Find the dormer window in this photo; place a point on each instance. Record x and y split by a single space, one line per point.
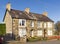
22 22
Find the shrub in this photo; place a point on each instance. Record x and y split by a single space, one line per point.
32 39
2 29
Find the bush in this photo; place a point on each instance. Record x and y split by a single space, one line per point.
2 29
45 38
32 39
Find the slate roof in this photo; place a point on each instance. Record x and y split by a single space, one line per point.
31 16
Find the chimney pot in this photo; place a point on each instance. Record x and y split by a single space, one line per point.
8 6
45 13
27 10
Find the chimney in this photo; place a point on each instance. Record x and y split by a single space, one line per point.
45 13
27 10
8 6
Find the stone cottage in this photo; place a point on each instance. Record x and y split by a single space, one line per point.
27 24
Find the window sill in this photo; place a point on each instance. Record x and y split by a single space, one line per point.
21 26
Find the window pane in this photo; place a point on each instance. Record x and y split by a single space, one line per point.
23 22
20 22
49 24
49 32
32 24
39 33
44 25
38 23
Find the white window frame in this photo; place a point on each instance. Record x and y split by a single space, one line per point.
38 24
49 32
41 24
39 33
45 25
32 23
20 21
49 24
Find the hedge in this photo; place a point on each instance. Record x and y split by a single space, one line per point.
2 29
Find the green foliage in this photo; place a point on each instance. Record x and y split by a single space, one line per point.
2 29
33 39
57 26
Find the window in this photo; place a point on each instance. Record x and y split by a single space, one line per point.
38 23
39 32
22 22
50 32
49 24
32 23
44 25
22 32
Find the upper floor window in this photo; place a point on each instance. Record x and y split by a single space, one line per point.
22 22
32 23
49 24
45 24
39 24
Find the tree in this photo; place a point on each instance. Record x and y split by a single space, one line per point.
2 29
57 26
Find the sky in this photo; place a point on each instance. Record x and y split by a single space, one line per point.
52 7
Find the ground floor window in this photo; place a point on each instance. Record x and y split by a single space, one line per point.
39 32
49 32
22 32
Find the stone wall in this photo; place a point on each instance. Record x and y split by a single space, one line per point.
8 22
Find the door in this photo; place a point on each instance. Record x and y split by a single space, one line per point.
32 33
22 32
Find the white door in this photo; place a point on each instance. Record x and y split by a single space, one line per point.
22 32
32 33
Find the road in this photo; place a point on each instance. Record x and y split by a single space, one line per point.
45 42
39 42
